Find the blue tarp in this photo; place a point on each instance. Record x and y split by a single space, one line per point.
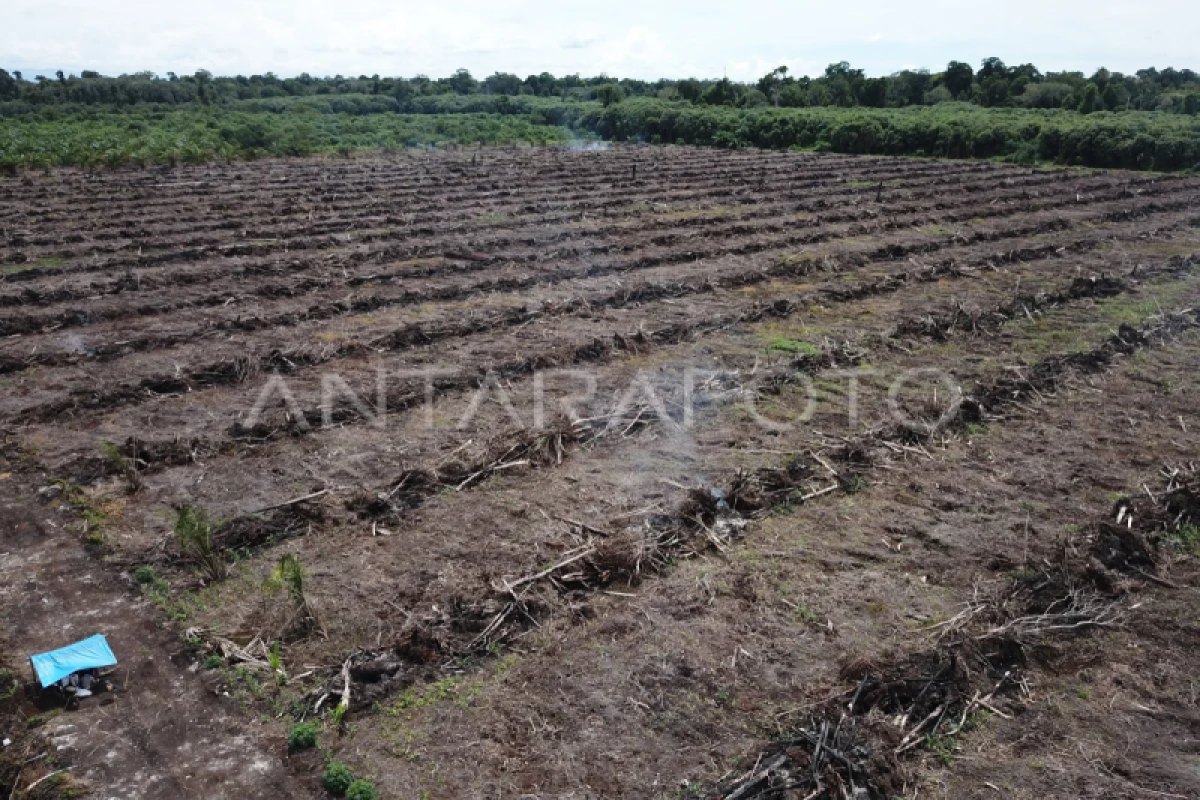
91 653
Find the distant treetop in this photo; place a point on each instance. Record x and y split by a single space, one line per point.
994 84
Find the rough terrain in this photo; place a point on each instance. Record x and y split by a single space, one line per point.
608 482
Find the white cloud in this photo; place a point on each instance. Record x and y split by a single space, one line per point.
634 39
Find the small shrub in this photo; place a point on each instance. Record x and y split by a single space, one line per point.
214 661
302 737
194 535
145 575
942 747
362 790
338 779
290 574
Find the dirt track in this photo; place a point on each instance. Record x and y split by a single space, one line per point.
558 611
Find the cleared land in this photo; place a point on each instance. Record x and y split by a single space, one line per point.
703 575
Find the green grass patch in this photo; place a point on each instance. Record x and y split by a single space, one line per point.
452 689
154 586
1049 335
1121 310
785 345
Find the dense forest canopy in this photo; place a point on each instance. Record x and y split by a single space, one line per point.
993 84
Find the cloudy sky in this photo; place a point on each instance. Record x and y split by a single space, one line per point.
623 38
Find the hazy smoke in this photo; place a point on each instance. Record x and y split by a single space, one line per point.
579 146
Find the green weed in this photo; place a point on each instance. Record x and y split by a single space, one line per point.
94 517
145 575
942 747
289 574
303 736
1185 538
337 778
194 535
415 697
159 591
361 789
805 613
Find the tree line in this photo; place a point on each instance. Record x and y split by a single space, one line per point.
993 85
346 123
1133 140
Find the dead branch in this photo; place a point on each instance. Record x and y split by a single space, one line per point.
1077 611
287 503
549 570
29 788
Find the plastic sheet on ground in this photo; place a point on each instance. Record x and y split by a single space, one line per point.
91 653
